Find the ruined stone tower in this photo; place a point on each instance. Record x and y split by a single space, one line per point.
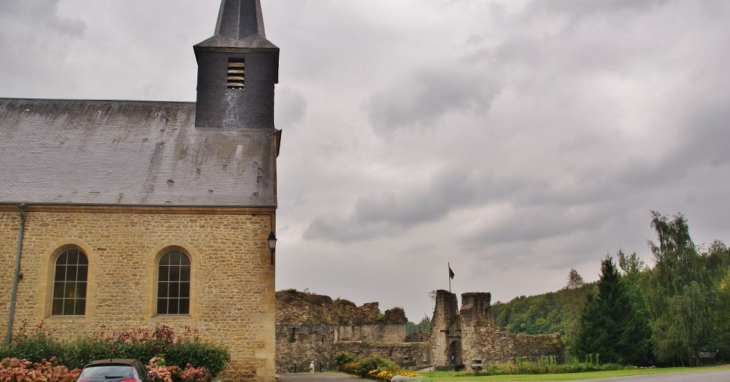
468 338
445 331
475 318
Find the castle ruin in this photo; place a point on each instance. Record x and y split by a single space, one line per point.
314 328
469 338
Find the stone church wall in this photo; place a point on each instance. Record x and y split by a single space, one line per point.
232 279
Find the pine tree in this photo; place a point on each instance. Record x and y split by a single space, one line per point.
609 326
639 329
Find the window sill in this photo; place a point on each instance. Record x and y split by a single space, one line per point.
67 318
171 317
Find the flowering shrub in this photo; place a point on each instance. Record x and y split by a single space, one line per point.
188 357
163 373
195 374
387 375
20 370
371 367
173 373
384 375
33 343
349 367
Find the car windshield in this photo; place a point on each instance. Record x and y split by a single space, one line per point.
106 371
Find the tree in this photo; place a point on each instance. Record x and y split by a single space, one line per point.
575 280
682 292
423 326
609 325
574 297
633 269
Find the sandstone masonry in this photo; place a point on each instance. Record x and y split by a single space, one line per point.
232 279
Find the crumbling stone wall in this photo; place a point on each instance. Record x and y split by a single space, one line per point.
372 333
405 354
308 326
478 341
298 345
418 337
487 345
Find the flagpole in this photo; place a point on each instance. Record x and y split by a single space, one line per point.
449 277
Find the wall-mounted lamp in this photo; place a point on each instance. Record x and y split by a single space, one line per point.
272 245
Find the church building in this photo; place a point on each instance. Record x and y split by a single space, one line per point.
134 214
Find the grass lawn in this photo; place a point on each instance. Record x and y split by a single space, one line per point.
451 376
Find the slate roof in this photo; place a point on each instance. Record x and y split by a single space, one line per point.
130 153
240 25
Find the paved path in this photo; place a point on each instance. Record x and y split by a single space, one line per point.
696 376
703 376
330 377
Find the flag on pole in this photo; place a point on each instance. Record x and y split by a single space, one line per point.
451 273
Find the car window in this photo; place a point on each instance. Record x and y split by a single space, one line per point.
107 371
141 370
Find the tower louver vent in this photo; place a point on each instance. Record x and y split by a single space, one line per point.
236 69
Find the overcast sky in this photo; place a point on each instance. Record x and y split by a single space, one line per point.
513 139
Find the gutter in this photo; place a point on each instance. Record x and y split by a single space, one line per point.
17 278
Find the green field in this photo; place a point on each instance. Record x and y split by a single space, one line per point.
451 376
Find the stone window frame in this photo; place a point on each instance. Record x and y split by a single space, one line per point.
151 273
173 283
70 299
47 275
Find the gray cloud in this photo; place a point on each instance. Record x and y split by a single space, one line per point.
291 107
392 211
426 96
585 9
36 20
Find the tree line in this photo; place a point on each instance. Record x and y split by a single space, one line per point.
674 313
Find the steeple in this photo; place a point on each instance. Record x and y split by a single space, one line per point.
239 19
237 70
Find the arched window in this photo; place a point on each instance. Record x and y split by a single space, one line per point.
69 283
173 283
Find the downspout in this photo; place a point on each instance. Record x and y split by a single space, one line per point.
16 279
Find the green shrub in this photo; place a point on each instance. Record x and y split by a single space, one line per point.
545 365
373 363
80 352
343 358
34 344
214 358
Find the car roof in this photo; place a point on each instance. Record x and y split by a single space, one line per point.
114 361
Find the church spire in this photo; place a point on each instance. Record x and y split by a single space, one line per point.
238 19
237 70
